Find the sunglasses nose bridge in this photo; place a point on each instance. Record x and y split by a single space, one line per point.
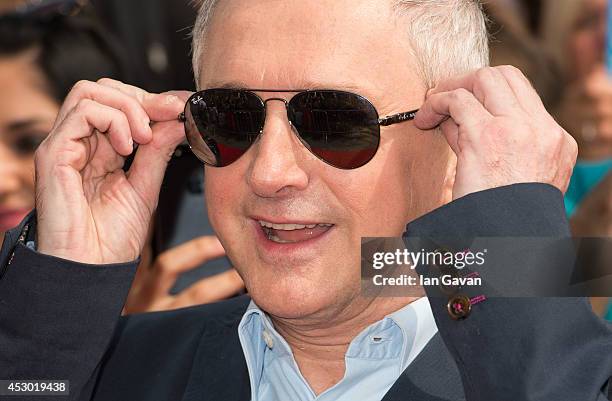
278 99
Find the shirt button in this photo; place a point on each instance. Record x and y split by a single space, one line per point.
268 339
459 307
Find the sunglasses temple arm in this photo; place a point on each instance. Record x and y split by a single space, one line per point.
397 118
181 117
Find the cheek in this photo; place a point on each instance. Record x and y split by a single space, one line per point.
379 195
219 190
422 172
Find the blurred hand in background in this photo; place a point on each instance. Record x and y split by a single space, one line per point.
154 279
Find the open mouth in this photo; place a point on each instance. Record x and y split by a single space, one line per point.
292 233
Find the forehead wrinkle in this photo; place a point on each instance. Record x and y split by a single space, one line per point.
301 85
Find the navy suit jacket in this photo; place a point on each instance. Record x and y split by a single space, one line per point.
61 320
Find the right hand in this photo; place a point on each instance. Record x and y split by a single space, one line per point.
585 111
88 209
151 288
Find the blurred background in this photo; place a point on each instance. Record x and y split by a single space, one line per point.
48 45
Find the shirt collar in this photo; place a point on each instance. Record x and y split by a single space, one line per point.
412 326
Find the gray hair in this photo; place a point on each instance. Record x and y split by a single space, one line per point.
448 37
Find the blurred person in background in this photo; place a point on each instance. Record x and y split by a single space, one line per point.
575 33
513 30
38 49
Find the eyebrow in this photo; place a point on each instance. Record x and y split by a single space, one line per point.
24 124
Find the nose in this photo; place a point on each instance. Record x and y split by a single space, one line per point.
277 166
9 172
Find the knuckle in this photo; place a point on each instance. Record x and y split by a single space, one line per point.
81 85
484 74
202 293
556 138
511 70
105 81
572 145
515 70
460 94
84 106
162 263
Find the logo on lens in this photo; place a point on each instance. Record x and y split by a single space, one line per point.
198 100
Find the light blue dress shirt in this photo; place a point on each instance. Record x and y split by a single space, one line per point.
374 361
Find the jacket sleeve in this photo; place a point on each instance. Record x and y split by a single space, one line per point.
57 317
536 349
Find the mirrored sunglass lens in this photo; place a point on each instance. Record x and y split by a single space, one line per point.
226 123
338 127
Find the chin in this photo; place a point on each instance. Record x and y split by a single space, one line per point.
296 297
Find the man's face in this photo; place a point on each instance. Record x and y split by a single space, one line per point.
353 45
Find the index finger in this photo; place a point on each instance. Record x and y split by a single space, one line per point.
489 87
189 255
159 106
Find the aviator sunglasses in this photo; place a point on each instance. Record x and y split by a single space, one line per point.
340 128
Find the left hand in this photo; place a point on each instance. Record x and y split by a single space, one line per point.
500 131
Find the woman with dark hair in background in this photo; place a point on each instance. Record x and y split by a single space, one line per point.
40 61
42 55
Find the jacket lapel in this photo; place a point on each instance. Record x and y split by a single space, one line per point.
219 369
432 376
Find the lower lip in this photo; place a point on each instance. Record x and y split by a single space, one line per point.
11 219
280 249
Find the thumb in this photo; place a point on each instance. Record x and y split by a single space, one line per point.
149 167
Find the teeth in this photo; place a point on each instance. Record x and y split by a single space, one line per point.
290 227
276 239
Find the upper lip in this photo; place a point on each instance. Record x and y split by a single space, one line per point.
277 220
